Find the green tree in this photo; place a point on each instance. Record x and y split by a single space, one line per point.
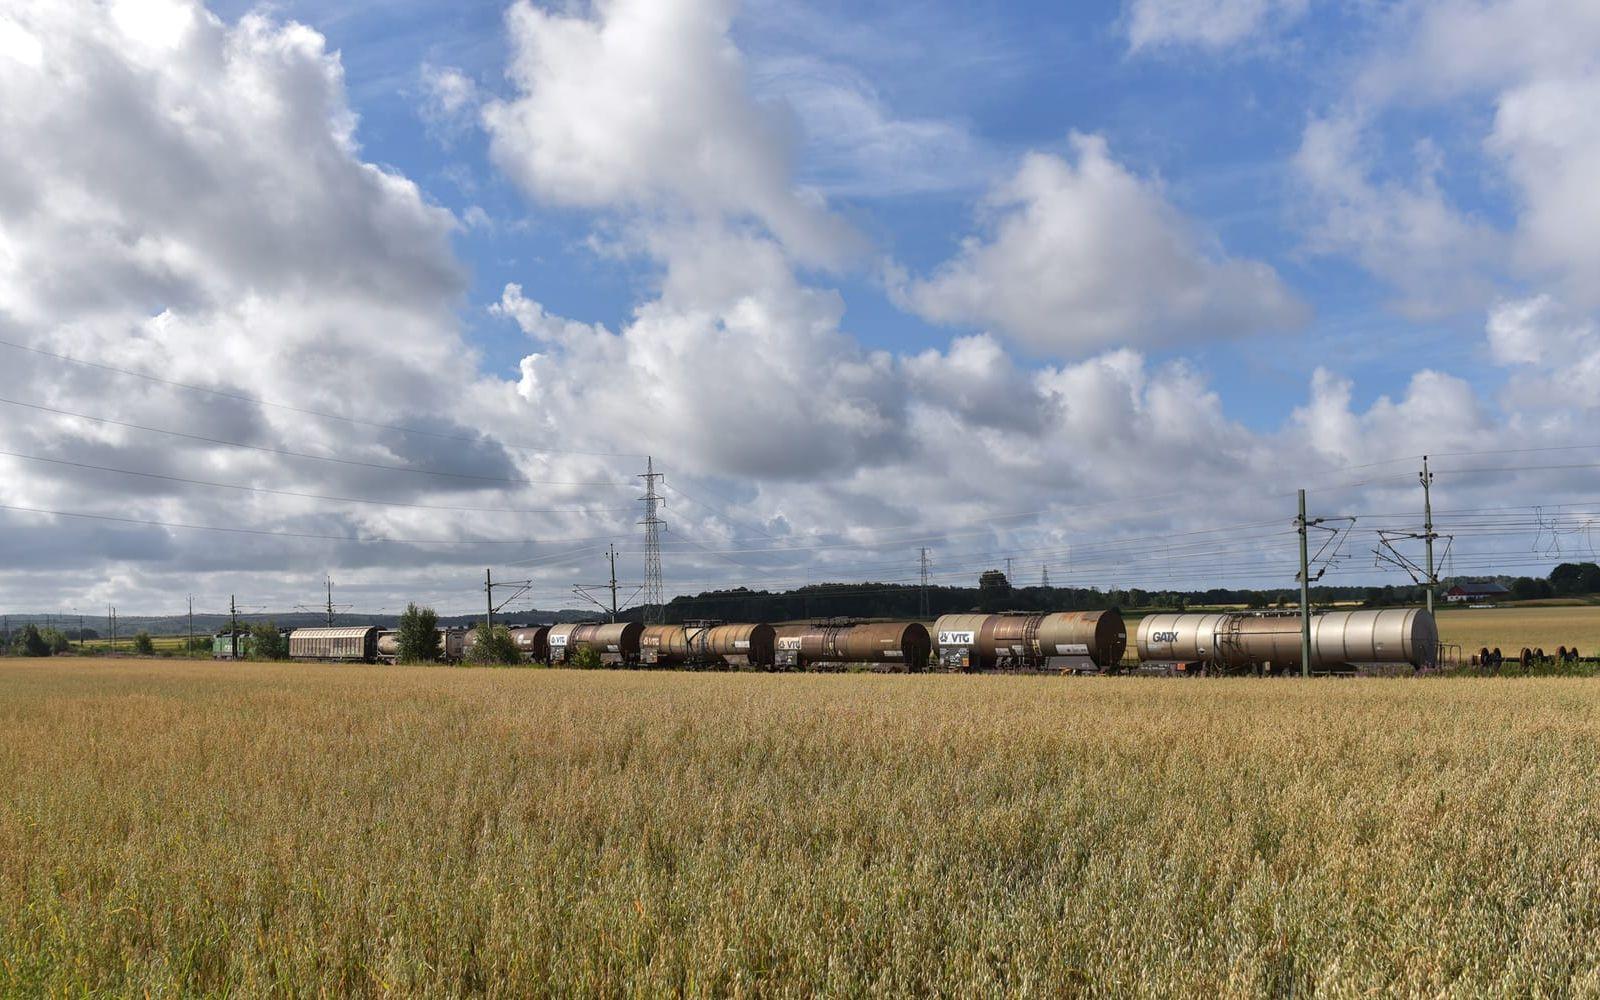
1575 578
1525 588
584 658
494 646
32 643
57 641
143 644
419 635
267 643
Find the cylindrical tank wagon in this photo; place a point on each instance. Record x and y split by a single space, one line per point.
1340 640
712 645
902 645
616 643
533 641
742 646
1076 641
453 645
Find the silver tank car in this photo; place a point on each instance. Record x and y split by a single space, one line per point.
1239 641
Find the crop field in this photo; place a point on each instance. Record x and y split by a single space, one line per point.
1512 628
188 828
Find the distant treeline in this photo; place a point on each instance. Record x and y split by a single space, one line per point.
995 593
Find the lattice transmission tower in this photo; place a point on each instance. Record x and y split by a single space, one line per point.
654 602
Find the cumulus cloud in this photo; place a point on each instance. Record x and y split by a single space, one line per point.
1553 353
1084 253
736 356
1547 134
186 197
645 105
1530 66
854 144
1405 230
1211 24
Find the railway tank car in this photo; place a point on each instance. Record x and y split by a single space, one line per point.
616 643
901 645
453 645
1340 640
670 645
708 645
1074 641
742 646
533 641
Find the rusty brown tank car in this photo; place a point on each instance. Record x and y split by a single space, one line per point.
533 642
904 644
714 645
742 646
1061 640
665 646
786 645
616 643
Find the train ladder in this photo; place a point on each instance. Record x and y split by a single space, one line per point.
1229 644
1031 654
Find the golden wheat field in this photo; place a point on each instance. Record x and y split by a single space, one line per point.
1512 628
177 829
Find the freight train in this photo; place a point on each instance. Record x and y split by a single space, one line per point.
1063 642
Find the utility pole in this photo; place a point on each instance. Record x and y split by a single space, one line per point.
654 597
191 626
111 614
613 557
330 602
1008 569
924 562
1305 593
488 604
233 628
1427 529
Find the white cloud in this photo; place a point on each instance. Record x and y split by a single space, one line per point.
736 357
854 145
1536 65
1212 24
1405 231
1548 135
646 106
450 98
185 197
1084 254
193 202
1438 412
1553 354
